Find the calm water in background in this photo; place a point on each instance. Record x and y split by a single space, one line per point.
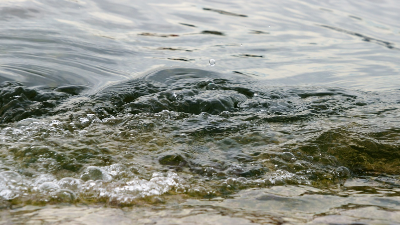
333 43
334 62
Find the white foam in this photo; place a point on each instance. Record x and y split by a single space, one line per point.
157 185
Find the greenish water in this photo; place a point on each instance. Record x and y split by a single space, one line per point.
199 112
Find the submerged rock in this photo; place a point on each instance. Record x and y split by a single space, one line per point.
172 159
359 152
206 126
95 173
18 102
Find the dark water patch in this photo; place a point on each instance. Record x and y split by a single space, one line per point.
355 17
19 102
186 24
365 38
245 74
322 93
181 59
249 56
259 32
213 32
175 49
224 12
158 35
72 90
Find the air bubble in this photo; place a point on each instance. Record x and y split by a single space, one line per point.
10 177
8 194
49 187
95 173
70 183
212 62
211 86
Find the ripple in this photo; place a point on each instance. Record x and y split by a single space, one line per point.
365 38
213 32
224 12
116 104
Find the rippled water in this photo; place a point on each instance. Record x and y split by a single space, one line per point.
207 112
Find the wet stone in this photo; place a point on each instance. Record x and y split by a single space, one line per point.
253 171
288 156
95 173
228 144
126 92
342 172
172 159
213 102
241 157
250 171
18 102
64 195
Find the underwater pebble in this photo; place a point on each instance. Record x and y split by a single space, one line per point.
65 195
172 159
288 156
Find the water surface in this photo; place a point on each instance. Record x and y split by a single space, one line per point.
111 109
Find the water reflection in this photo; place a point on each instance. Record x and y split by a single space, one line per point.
121 34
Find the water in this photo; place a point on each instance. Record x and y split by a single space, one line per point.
114 111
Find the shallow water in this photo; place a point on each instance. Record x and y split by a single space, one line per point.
200 112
